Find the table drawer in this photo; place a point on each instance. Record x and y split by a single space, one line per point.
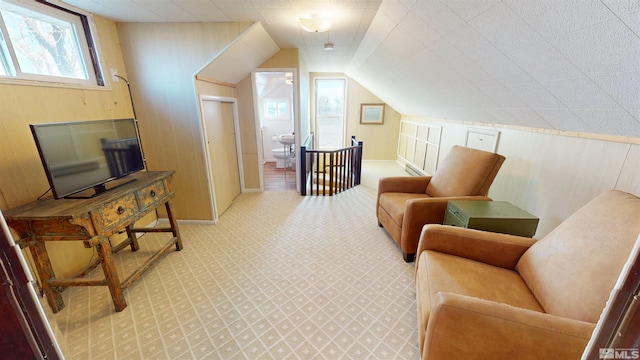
151 195
115 214
520 227
454 217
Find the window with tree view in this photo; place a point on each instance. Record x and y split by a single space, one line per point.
44 42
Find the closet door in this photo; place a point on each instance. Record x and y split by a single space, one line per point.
221 141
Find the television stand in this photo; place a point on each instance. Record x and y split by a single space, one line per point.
92 221
99 189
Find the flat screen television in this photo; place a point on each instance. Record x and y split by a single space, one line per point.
78 156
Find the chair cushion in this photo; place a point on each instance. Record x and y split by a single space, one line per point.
439 272
465 171
449 273
572 270
393 203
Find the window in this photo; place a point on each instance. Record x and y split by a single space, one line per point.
330 112
276 109
44 42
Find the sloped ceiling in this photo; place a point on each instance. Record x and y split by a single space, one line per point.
569 65
563 65
252 48
350 20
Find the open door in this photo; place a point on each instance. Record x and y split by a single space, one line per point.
276 113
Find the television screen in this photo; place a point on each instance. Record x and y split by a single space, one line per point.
87 154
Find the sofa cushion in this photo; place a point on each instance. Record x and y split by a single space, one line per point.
393 203
572 270
480 169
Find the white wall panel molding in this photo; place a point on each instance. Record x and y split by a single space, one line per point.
419 145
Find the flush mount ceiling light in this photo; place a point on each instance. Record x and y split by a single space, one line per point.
315 23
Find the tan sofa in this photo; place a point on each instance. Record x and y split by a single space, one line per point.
483 295
405 204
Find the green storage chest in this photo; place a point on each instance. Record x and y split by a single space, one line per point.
495 216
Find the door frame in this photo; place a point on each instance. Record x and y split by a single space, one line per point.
32 328
296 120
205 147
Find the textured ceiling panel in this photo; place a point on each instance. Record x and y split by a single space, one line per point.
564 65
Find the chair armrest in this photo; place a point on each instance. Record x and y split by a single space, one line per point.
421 211
496 249
463 327
431 210
404 184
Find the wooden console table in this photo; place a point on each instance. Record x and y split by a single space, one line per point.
92 221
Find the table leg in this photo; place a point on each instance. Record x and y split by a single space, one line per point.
46 274
135 246
111 273
174 225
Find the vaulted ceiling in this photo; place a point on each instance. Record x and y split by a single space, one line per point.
563 65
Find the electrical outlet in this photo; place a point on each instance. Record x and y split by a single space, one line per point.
114 75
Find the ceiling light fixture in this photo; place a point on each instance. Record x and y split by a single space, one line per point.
328 46
315 23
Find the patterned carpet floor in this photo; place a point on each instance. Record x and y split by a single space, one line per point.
280 276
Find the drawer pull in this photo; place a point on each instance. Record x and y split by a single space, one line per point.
152 193
120 210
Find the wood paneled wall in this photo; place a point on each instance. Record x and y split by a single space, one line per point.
552 175
163 59
246 117
304 101
22 178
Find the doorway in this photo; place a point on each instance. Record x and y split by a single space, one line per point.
223 155
275 114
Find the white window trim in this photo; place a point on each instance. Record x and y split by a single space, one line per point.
277 101
54 81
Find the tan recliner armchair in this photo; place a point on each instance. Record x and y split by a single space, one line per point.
483 295
405 204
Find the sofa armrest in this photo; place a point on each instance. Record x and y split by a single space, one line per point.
404 184
496 249
463 327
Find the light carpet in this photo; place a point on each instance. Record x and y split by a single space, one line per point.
280 276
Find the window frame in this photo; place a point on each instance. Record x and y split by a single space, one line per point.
84 31
277 102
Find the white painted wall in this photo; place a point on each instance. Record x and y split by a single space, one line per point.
551 175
